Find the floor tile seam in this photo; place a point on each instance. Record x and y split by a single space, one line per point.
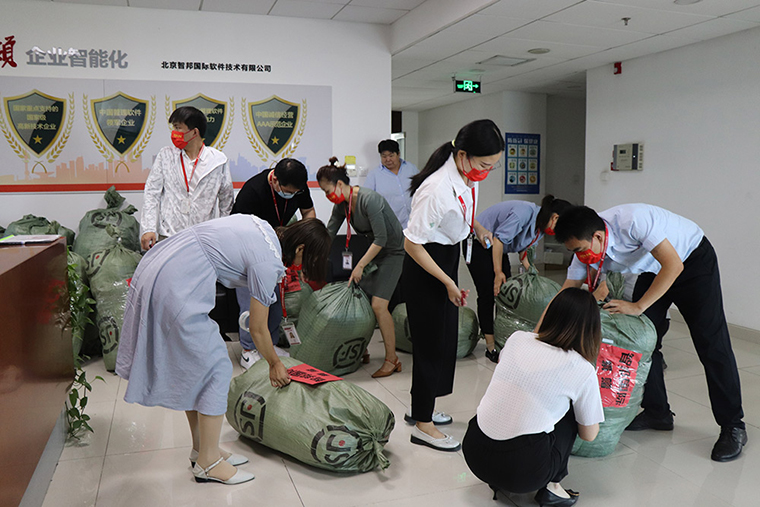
293 482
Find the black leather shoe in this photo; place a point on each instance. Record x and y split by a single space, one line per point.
544 497
492 355
729 444
644 421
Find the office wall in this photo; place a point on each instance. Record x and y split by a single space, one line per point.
301 51
697 109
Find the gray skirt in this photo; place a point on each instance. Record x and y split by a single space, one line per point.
382 282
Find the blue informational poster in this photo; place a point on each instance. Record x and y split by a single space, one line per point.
523 155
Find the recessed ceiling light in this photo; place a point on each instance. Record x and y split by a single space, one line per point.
686 2
539 51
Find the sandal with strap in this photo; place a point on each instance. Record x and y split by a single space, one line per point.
381 373
202 474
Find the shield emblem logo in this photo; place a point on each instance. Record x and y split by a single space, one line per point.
274 120
214 110
36 118
120 119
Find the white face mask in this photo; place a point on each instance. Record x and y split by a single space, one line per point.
286 195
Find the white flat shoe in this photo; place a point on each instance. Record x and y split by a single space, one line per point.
201 475
447 444
234 459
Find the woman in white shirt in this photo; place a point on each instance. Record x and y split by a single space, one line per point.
543 393
443 214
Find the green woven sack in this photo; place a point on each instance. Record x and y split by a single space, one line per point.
634 339
521 301
467 338
335 326
109 271
92 228
335 426
31 224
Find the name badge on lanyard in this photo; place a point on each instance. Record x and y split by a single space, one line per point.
471 236
287 326
348 256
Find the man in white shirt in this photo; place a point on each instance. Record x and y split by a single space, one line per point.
676 264
189 182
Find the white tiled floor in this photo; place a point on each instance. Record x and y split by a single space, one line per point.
138 456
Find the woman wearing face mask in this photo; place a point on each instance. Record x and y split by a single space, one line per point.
170 349
516 226
543 393
444 197
369 214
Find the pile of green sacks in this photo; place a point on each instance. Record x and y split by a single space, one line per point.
521 302
92 235
632 336
31 224
468 330
335 326
335 426
109 272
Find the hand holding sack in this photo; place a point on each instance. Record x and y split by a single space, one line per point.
622 368
521 301
335 426
335 326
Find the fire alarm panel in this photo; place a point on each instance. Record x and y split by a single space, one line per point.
628 157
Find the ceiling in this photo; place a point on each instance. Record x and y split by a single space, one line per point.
434 40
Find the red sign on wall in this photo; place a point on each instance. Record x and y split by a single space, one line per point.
616 369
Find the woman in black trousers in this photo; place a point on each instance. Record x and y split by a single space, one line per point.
443 214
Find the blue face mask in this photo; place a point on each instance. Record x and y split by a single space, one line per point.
286 195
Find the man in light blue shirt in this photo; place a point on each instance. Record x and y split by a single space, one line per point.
392 178
676 264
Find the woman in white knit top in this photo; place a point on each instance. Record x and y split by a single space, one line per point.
543 393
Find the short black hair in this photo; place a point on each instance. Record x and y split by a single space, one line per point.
291 173
388 145
579 222
190 116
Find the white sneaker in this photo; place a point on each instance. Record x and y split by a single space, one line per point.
447 443
248 357
281 352
439 418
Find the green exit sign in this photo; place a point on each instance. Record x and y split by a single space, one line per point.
466 86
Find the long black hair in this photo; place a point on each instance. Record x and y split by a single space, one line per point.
572 321
549 206
480 138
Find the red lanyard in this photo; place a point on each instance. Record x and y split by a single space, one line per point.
282 296
464 210
525 252
274 199
601 263
348 216
182 161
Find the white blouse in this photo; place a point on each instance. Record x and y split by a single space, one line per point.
533 386
438 214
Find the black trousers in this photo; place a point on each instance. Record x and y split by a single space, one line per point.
481 270
433 323
521 464
697 294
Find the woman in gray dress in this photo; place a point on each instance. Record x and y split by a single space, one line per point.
369 214
170 349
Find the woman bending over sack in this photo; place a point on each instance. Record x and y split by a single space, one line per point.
170 349
543 393
444 197
369 214
517 225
